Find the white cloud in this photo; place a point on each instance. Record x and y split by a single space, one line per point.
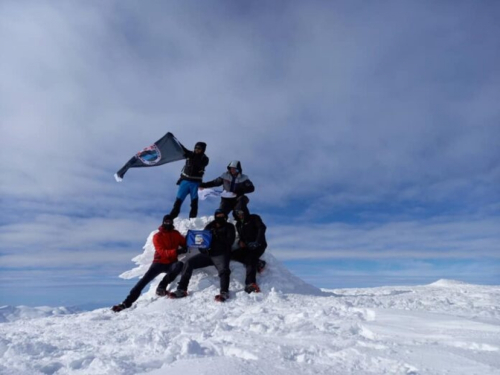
334 106
440 238
322 108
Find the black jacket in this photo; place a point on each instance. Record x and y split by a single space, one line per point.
195 166
222 238
252 229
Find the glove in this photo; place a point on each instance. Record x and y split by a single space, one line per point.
253 245
182 250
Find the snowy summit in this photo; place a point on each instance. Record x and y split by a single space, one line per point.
291 327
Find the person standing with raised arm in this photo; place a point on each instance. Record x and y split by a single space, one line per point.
235 185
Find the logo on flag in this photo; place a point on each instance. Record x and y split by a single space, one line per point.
150 155
198 239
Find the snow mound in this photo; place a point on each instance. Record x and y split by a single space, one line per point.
11 313
446 283
275 277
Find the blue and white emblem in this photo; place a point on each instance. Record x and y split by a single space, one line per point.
150 155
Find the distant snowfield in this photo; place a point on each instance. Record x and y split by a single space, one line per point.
447 327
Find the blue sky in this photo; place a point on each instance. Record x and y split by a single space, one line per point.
371 131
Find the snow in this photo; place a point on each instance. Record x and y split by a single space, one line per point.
447 283
447 327
11 313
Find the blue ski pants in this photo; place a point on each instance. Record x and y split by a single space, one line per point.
187 187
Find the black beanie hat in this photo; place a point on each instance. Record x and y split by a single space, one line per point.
167 218
219 211
201 145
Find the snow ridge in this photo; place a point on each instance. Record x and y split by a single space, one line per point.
446 283
11 313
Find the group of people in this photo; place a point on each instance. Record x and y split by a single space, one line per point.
169 243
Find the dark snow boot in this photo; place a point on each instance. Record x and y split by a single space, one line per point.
223 296
119 307
178 294
161 292
194 209
176 209
252 288
261 265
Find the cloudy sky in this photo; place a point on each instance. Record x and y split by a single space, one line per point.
371 131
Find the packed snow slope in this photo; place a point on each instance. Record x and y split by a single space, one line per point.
291 327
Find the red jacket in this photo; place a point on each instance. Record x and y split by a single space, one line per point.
166 243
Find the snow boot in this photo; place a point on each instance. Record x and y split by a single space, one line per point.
176 209
223 296
178 294
252 288
261 265
119 307
194 209
161 292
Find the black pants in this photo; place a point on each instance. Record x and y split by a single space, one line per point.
221 262
229 204
171 270
250 259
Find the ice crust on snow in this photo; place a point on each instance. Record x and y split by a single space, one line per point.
291 327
